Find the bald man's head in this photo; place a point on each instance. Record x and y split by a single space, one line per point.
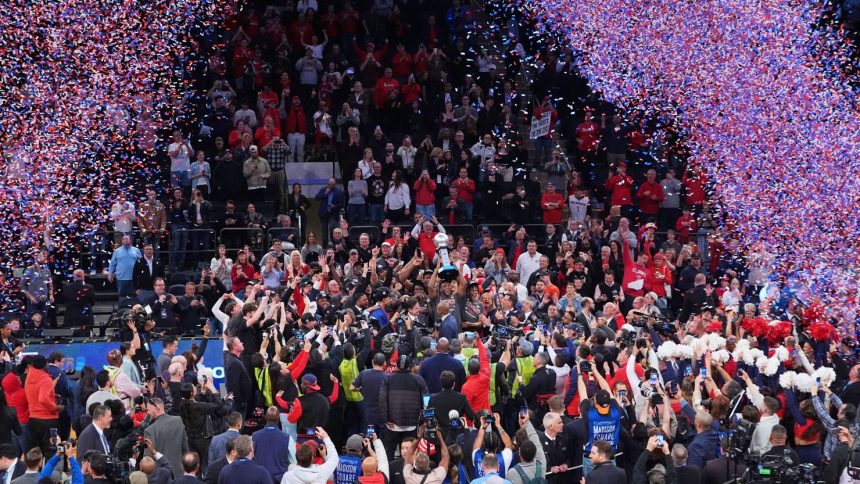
272 415
147 465
442 345
369 466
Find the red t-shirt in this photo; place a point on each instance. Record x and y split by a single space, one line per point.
620 186
587 136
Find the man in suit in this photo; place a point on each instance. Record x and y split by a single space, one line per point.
157 468
448 399
331 202
214 469
167 433
236 375
93 436
33 460
244 469
272 446
191 466
11 467
683 472
146 270
79 298
433 367
218 446
697 299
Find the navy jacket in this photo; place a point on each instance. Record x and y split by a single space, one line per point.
245 471
272 450
432 367
330 209
703 448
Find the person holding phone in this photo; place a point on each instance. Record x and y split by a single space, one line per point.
657 450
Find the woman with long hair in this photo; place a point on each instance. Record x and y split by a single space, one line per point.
807 429
356 206
312 244
81 392
398 199
497 266
297 206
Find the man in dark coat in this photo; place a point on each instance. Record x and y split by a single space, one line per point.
79 298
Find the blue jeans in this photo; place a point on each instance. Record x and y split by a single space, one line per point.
428 211
543 148
125 288
466 210
355 213
377 213
199 244
180 243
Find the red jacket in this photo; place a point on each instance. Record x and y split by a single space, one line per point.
39 389
16 397
685 226
620 186
425 242
465 189
655 283
296 121
411 93
239 283
477 387
424 192
632 272
552 215
650 204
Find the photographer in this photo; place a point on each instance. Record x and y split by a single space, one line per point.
199 410
135 327
305 471
662 468
487 442
51 468
416 469
602 418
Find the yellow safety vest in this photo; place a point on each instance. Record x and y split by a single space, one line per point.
525 369
348 374
493 385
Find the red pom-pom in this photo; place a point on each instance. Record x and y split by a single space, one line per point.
715 327
822 331
813 314
777 332
755 326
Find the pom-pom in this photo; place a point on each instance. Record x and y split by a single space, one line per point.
786 380
827 375
666 350
761 362
720 356
714 341
684 352
755 326
822 331
804 382
771 367
777 331
781 354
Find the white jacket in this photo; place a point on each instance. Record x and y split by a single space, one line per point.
315 474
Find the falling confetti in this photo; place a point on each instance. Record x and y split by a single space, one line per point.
87 86
762 95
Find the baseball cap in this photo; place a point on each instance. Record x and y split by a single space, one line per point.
650 225
322 295
353 251
354 443
311 382
602 400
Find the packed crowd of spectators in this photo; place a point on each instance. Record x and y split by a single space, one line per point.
585 338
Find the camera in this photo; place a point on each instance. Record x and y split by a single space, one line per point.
117 469
655 399
431 426
501 334
585 367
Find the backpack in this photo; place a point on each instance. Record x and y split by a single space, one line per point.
537 479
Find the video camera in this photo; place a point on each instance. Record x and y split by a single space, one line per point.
662 325
501 334
776 468
121 317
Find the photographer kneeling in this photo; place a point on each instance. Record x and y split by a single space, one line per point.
662 468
